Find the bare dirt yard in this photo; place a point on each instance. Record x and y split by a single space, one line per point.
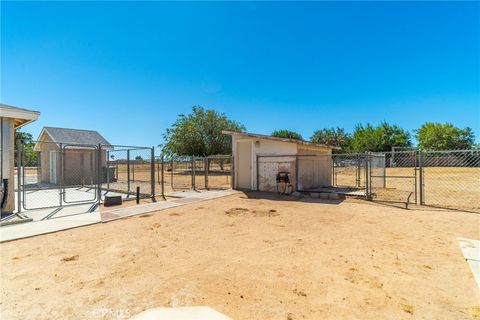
250 256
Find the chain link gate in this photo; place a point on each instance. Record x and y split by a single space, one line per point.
79 166
64 174
393 177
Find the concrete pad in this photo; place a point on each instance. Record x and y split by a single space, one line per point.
183 194
471 252
162 205
63 218
30 229
181 313
323 196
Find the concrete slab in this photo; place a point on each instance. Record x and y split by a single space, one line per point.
183 193
63 218
162 205
34 228
471 252
181 313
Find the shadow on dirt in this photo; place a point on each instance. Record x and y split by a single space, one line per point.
280 197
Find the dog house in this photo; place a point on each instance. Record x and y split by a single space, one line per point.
70 156
11 118
259 161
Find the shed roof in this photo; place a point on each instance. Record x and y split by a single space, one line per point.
263 136
74 136
20 116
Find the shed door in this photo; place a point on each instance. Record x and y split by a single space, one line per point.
244 165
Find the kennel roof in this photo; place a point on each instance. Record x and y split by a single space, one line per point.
73 136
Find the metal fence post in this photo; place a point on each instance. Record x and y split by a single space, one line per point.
367 176
333 169
206 171
108 169
128 171
19 174
232 171
133 170
99 175
297 164
257 174
420 175
158 170
163 178
193 172
62 169
415 163
357 173
171 173
152 173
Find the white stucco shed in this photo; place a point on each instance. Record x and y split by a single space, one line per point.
258 158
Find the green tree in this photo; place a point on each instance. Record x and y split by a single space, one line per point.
438 136
287 134
379 139
26 140
336 137
200 134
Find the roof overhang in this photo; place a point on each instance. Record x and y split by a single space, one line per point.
20 116
262 136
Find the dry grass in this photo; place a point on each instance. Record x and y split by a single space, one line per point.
449 187
254 256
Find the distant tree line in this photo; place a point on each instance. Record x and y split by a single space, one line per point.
199 133
384 137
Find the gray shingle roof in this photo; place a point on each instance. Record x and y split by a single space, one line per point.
75 136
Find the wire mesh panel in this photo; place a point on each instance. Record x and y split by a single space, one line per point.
199 173
451 179
40 173
218 172
348 171
126 169
269 166
78 179
393 176
181 173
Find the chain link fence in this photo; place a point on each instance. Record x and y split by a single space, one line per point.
128 170
393 176
446 179
451 179
348 172
193 173
57 174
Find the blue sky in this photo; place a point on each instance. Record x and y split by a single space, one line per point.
127 69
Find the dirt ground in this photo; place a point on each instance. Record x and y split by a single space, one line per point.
253 256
